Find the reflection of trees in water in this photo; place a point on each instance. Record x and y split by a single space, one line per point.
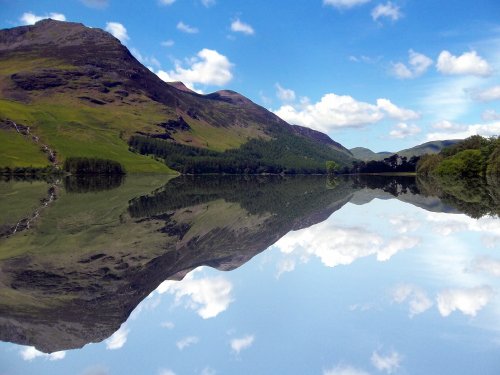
257 194
475 197
394 185
92 184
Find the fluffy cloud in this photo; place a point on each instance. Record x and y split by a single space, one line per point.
388 10
340 111
187 342
335 245
488 95
118 339
209 296
29 18
417 65
344 370
239 344
468 301
345 4
418 301
208 68
464 131
95 3
29 353
403 130
181 26
285 95
117 30
388 363
469 63
238 26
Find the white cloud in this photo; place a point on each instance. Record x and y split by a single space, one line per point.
285 265
403 130
117 30
448 126
285 95
118 339
339 111
403 224
208 296
187 342
486 130
239 344
167 2
388 363
468 301
100 4
344 370
335 245
208 68
490 115
208 3
487 265
488 95
238 26
469 63
186 28
166 371
418 65
345 4
388 10
418 301
29 353
167 43
29 18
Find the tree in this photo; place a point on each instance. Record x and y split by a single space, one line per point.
332 167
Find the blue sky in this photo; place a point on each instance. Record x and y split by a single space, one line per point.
381 74
421 298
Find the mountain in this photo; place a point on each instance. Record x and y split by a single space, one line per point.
67 90
432 147
91 255
366 154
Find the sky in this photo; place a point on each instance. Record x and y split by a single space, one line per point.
386 75
422 298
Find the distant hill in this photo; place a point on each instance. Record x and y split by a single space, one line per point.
366 154
67 90
432 147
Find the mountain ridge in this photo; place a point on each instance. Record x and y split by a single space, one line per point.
83 93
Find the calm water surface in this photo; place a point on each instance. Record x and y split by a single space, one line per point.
266 275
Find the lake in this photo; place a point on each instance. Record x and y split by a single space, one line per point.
249 275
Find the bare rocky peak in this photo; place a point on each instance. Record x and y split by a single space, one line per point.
60 33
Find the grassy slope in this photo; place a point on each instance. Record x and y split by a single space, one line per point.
18 151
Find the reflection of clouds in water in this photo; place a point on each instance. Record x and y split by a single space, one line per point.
447 224
402 224
418 301
468 301
487 265
118 339
29 353
336 245
186 342
345 370
388 363
209 296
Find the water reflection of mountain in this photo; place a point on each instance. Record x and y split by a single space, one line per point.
92 257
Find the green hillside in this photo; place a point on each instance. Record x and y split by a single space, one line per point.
78 92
